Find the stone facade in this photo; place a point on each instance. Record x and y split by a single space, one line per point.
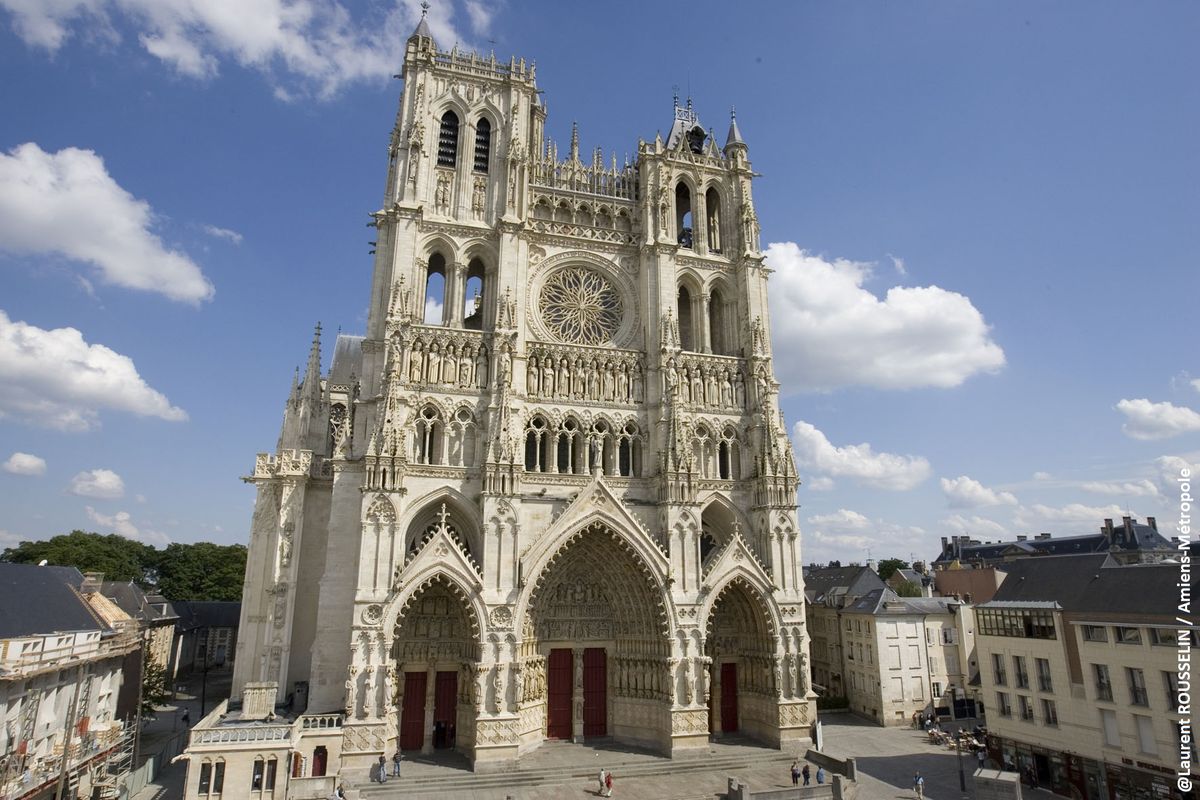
549 494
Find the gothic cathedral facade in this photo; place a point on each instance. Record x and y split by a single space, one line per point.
549 494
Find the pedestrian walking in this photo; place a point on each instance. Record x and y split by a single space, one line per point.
600 783
608 782
381 770
187 717
396 764
919 785
981 754
806 774
820 775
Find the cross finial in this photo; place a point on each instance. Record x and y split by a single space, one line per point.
424 7
675 95
442 515
732 113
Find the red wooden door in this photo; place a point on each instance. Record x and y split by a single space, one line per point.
445 702
595 692
729 698
560 685
412 712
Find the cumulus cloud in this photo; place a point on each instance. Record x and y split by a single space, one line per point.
1169 469
100 483
849 536
829 331
820 484
1042 476
433 311
310 46
106 227
975 526
964 492
1137 488
841 520
55 379
858 461
1069 520
1146 420
25 464
121 523
223 233
1196 384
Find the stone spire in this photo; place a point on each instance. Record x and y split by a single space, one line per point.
735 135
422 30
312 375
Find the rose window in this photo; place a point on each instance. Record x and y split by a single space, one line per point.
581 306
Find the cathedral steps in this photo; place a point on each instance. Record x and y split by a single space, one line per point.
450 782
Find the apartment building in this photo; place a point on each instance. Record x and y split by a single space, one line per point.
1078 659
828 590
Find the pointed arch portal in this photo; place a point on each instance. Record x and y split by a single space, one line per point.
741 646
435 654
595 646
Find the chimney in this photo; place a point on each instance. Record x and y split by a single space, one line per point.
967 598
1041 537
258 700
1128 525
1107 531
919 566
945 546
1022 537
1150 521
92 581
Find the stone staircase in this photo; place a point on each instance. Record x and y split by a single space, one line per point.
451 782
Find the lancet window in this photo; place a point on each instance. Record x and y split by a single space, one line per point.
718 324
483 144
729 461
687 333
435 290
448 140
570 449
683 214
712 227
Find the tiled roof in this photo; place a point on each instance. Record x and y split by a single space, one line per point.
37 600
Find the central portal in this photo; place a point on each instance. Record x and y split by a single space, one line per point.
595 647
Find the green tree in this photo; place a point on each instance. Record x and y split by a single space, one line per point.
909 589
202 571
154 685
888 567
120 559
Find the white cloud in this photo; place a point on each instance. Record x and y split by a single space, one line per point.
140 498
1146 420
841 520
830 332
433 311
8 539
1196 384
974 526
964 492
1169 469
820 484
25 464
101 483
1137 488
1070 520
121 523
314 46
223 233
55 379
1042 476
898 264
857 461
105 226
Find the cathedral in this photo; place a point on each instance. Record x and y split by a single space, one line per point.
549 493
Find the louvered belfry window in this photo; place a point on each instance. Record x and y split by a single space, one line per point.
448 140
483 144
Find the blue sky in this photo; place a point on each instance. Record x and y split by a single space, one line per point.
983 219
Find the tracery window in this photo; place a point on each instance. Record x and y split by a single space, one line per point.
712 205
704 448
448 140
462 439
429 432
579 305
728 455
537 445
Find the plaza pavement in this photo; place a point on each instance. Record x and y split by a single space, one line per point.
886 757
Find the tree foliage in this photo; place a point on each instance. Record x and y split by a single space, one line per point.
201 571
888 567
154 685
909 589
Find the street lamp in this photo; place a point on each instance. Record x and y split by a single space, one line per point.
962 777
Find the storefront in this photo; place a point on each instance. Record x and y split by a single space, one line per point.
1080 778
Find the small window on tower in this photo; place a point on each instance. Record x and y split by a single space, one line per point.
448 140
483 144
